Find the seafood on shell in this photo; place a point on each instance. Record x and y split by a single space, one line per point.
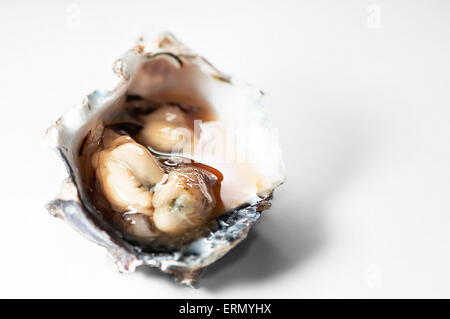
153 176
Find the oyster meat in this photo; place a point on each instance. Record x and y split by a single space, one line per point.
170 168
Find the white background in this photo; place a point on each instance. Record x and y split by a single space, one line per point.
359 89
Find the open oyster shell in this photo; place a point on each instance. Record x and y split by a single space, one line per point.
233 102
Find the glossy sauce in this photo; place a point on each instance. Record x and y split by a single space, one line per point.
127 122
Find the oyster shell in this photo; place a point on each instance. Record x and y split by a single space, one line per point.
178 70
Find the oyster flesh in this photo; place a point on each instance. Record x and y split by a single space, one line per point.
171 168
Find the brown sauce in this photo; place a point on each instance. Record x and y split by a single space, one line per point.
127 122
